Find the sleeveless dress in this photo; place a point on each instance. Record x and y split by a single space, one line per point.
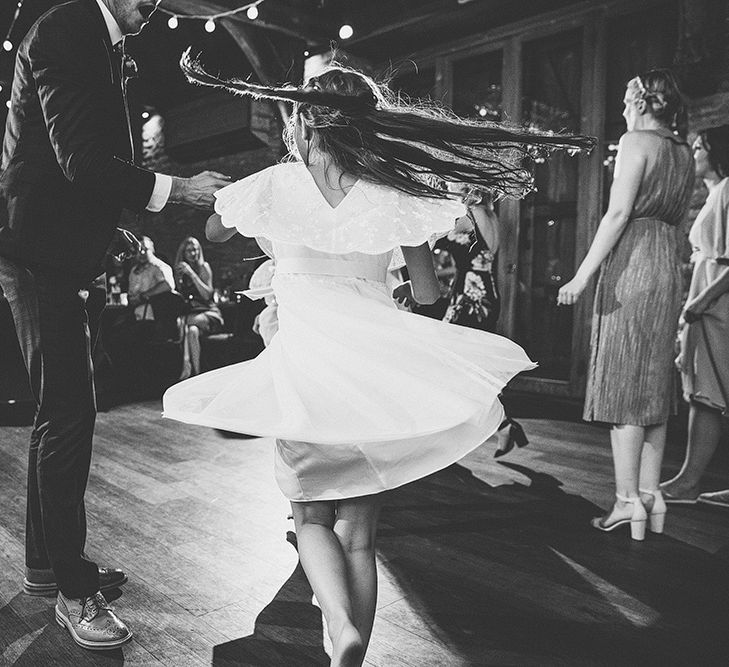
361 396
705 343
631 379
200 306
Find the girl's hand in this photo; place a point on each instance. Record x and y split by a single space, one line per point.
569 293
403 293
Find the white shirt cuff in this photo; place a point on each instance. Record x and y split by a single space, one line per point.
161 192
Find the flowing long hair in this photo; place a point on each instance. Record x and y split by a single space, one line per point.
369 133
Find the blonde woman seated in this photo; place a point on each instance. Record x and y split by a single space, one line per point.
194 280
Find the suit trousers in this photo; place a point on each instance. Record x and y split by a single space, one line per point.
54 332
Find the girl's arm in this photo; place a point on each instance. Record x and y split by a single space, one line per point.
629 169
484 217
216 231
424 285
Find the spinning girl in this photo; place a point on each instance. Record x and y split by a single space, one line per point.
360 396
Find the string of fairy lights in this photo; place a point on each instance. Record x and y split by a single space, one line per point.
250 9
174 20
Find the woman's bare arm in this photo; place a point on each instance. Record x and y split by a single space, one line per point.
629 170
215 230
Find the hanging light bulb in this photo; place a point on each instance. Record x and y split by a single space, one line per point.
306 54
7 104
8 45
145 115
172 23
252 13
210 25
346 31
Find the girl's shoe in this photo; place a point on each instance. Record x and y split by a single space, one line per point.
515 436
656 508
633 513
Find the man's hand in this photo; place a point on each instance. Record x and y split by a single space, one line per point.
197 191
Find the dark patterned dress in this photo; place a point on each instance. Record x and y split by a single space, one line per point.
474 300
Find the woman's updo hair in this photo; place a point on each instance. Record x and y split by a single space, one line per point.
716 143
659 89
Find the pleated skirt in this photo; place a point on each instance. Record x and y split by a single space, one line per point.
632 379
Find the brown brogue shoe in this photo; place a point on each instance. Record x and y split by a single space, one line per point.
91 622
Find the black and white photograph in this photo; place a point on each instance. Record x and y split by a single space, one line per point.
364 333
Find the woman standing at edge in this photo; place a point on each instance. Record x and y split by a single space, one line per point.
638 298
704 358
360 396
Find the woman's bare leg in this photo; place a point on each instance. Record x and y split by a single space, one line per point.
356 528
654 444
186 366
626 441
323 561
193 346
704 432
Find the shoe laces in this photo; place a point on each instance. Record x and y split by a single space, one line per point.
93 605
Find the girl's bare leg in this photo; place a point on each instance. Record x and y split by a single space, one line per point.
356 527
323 561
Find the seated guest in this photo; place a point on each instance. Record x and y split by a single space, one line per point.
704 358
194 280
149 276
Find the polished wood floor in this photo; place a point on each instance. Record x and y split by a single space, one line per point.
485 563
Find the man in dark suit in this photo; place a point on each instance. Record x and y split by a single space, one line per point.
67 172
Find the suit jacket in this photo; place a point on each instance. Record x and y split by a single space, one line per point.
66 169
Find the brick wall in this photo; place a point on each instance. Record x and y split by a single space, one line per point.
168 227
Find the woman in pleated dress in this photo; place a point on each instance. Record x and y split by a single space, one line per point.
638 299
361 396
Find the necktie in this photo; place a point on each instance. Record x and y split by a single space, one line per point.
124 69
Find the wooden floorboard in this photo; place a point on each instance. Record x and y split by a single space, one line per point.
484 563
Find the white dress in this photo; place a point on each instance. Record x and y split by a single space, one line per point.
705 343
360 396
